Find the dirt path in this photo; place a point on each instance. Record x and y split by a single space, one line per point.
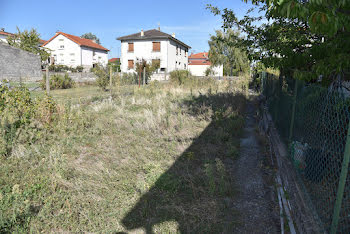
256 202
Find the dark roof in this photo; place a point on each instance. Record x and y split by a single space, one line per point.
151 34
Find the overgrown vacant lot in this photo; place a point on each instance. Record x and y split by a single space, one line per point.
158 158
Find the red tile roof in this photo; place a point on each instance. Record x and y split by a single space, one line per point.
80 41
199 62
6 33
112 60
199 55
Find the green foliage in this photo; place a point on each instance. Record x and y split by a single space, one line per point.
149 68
58 82
209 71
91 36
64 68
180 77
102 74
80 68
303 39
225 50
115 65
19 112
129 79
28 41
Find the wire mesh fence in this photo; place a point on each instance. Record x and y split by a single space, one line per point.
314 122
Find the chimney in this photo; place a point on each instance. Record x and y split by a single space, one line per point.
158 28
173 35
142 33
94 41
3 29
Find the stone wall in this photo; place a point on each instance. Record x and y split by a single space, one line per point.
17 64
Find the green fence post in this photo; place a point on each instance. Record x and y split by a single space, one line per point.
341 186
293 111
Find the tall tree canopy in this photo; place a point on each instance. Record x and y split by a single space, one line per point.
91 36
304 38
28 41
224 50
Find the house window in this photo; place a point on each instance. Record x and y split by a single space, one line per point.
130 47
185 66
186 52
156 61
72 54
60 39
156 46
72 60
61 47
177 50
130 64
93 53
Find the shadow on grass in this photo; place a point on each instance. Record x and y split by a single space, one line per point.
197 192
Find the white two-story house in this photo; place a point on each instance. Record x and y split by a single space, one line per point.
75 51
153 45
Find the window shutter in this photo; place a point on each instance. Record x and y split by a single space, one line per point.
131 47
130 64
156 46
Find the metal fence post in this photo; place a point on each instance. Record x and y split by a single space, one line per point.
341 186
47 81
293 111
110 79
144 76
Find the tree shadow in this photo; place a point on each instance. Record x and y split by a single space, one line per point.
197 191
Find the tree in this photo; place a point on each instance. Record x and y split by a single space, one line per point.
225 50
91 36
308 38
142 65
115 65
28 41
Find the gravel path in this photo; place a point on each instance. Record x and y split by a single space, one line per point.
256 203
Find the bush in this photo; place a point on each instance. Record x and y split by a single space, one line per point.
21 116
58 82
129 79
58 68
180 77
80 68
64 68
102 77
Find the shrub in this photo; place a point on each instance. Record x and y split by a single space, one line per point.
18 112
80 68
58 68
58 82
180 77
209 71
129 79
102 76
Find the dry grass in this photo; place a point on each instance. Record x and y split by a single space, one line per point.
138 161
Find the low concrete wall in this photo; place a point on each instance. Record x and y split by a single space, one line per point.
79 76
17 64
160 76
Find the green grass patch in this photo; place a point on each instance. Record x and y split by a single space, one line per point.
156 159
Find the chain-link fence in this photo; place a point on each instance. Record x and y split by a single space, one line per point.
314 122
